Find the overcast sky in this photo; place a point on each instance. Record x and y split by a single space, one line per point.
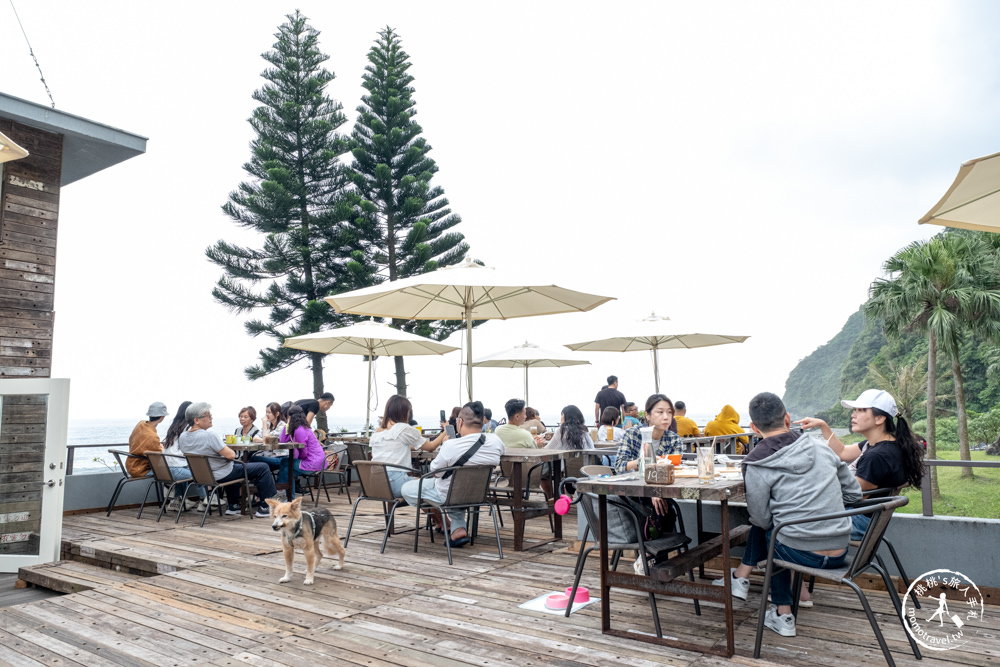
741 165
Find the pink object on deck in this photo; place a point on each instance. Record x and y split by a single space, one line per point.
582 594
557 601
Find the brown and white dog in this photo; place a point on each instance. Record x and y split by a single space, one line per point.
310 529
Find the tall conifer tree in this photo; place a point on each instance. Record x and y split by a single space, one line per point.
299 196
406 220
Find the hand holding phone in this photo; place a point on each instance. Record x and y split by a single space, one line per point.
450 430
442 416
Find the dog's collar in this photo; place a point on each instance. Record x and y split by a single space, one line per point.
298 526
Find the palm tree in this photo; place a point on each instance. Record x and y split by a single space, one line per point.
907 384
944 287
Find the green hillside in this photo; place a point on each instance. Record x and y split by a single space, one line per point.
815 383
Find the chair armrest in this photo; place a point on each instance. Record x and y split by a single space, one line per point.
122 452
861 507
399 467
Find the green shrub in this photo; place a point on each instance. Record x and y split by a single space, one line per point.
985 427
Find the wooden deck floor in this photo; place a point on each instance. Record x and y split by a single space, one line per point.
216 601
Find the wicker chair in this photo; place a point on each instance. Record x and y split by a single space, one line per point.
203 475
162 474
470 488
862 561
375 487
120 457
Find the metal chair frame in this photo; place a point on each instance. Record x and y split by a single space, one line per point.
463 493
646 549
375 487
126 478
163 475
862 561
204 476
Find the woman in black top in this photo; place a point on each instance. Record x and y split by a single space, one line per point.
890 455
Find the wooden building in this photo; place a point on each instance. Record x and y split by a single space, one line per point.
62 149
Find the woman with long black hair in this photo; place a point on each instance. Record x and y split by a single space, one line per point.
890 456
572 432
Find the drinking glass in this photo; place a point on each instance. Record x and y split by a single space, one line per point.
706 464
534 431
611 434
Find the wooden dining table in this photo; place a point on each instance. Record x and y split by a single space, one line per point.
248 449
666 578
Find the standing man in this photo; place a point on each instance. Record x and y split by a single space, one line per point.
609 397
686 428
314 406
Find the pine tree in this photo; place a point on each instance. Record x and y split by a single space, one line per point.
299 196
405 220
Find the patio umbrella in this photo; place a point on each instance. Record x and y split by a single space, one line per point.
655 333
529 356
9 150
371 339
465 291
973 200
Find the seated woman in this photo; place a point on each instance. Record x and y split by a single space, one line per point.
609 419
274 458
660 415
890 455
727 422
247 428
531 418
310 458
572 432
395 440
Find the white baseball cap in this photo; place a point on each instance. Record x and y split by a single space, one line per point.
874 398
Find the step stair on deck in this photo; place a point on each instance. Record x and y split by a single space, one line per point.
66 576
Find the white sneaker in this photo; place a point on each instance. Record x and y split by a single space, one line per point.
263 512
740 586
784 624
233 509
202 506
174 505
191 503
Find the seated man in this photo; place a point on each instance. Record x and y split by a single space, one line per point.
489 424
511 433
631 416
791 476
144 439
198 440
487 449
686 428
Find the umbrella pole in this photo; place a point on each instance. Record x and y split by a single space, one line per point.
468 347
656 369
526 384
368 396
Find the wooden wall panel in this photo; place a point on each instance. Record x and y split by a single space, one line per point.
29 216
22 469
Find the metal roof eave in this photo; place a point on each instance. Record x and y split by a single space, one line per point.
88 147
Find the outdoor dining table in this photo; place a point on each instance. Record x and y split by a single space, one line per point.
522 509
246 450
665 578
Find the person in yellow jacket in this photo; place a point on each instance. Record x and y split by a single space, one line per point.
727 422
686 428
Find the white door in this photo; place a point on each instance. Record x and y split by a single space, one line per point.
33 415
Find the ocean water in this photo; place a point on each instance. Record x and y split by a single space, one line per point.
104 434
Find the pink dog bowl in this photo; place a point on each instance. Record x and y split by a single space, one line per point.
557 601
582 594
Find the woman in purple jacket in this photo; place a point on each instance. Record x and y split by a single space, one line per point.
309 458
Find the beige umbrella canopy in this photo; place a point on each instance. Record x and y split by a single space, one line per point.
973 200
529 356
371 339
9 150
655 333
465 291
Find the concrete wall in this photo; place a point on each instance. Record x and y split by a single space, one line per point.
969 546
93 490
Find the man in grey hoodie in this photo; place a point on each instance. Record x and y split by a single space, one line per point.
791 476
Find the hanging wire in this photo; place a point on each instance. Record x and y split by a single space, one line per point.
32 52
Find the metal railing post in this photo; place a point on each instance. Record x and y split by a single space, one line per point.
927 499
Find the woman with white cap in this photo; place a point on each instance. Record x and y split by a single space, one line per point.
890 455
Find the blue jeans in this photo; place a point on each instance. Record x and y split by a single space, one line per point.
274 462
283 470
431 495
781 581
859 524
259 474
397 478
